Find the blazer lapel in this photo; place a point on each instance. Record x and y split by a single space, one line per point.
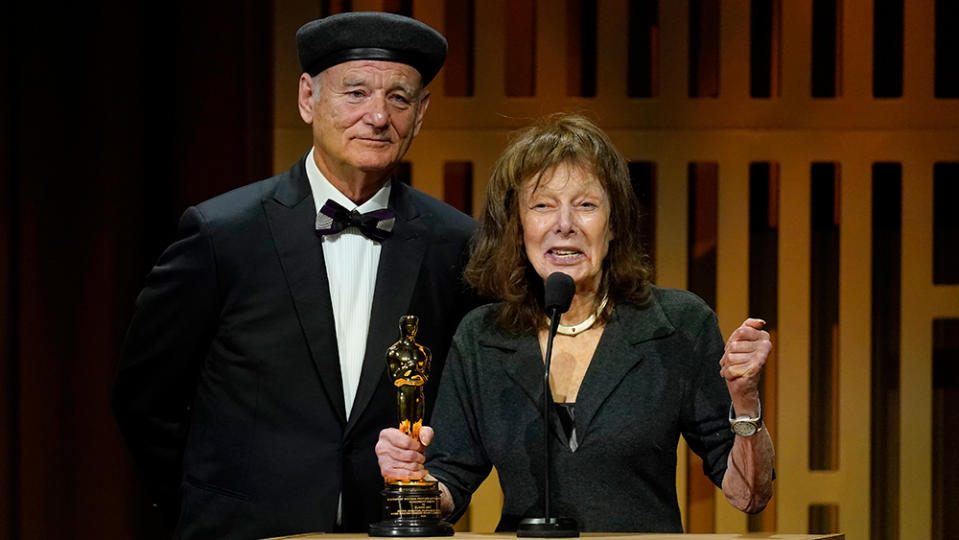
522 359
396 275
291 213
619 350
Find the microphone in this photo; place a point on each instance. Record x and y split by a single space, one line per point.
557 297
560 289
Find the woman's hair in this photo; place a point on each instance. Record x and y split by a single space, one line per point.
498 266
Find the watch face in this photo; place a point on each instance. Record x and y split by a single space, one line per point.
744 429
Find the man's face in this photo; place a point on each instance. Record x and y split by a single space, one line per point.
365 116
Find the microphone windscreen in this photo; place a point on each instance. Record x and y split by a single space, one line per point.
560 289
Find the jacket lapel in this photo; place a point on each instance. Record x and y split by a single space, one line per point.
619 350
399 265
291 213
522 359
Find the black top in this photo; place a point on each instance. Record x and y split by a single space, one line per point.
566 413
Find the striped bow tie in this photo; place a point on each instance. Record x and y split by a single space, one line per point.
376 225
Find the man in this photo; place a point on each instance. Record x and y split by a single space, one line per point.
253 383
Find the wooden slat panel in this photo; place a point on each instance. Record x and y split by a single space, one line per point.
672 130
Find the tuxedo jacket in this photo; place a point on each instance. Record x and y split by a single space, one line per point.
653 377
229 390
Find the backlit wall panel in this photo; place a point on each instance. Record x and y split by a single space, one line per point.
856 126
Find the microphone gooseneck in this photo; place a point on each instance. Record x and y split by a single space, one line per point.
557 297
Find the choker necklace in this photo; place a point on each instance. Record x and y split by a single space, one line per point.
575 329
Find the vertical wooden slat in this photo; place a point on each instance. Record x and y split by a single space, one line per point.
675 50
520 54
915 475
491 49
857 45
732 281
854 366
733 57
671 265
797 52
611 46
919 50
672 222
794 239
549 51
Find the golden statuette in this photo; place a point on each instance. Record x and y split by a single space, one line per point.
410 507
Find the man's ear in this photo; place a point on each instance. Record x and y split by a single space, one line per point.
304 98
421 112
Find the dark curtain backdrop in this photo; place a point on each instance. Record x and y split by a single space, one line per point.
115 117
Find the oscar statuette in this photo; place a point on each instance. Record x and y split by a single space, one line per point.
410 507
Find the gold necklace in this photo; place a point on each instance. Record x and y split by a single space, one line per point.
575 329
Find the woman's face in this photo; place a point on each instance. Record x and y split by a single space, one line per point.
566 225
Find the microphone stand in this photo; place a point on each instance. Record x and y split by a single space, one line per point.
548 527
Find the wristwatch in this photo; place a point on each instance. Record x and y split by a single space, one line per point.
745 426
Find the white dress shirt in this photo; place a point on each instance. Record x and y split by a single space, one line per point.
351 262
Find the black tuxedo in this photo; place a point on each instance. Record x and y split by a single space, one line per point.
229 390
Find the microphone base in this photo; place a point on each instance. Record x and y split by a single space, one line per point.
554 527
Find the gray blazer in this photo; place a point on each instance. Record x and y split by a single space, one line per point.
654 376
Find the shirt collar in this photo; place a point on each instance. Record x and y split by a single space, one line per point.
322 190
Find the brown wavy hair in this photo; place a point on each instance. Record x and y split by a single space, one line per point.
498 267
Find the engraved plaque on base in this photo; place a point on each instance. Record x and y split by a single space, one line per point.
410 507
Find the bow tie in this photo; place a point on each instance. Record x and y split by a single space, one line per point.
376 225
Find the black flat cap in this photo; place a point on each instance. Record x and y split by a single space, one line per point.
370 35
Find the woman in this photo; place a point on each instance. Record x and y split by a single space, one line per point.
633 367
